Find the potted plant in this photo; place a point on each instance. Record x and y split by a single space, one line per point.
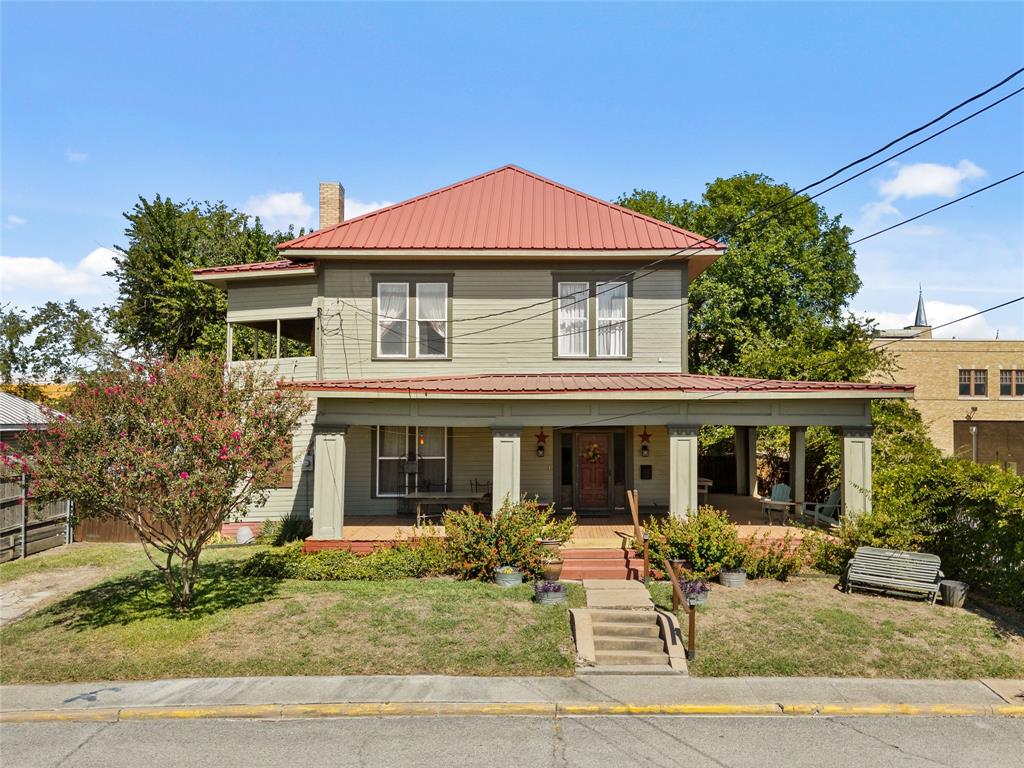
549 592
695 592
507 576
552 568
734 572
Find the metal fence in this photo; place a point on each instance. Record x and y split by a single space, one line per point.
26 526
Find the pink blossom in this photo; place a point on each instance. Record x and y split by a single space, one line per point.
197 438
183 475
236 434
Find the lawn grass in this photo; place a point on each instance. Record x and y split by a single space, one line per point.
123 628
111 558
805 627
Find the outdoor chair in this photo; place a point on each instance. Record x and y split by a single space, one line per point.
827 513
778 501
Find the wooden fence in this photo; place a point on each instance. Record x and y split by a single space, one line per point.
27 527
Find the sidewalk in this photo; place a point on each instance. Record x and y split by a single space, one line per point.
439 695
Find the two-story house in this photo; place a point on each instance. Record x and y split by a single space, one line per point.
508 335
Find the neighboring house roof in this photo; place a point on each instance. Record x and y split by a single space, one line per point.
505 384
504 209
257 269
18 415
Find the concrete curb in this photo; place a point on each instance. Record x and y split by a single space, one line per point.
508 709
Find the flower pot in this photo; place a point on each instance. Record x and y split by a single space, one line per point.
511 579
550 598
552 569
954 593
550 546
733 577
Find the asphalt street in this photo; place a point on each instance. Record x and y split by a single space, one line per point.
491 742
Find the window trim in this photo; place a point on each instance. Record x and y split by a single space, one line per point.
973 384
446 320
377 318
625 319
558 317
593 279
1016 380
411 281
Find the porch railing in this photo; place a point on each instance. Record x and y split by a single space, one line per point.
639 534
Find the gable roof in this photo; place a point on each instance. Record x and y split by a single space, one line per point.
18 414
504 209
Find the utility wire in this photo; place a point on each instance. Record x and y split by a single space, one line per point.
615 323
654 266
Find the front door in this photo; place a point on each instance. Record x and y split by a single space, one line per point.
592 449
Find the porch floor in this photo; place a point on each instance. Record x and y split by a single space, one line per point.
612 530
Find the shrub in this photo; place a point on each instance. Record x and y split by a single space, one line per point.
276 533
478 544
707 540
413 559
826 553
768 558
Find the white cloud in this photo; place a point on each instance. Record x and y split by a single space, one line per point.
15 221
278 210
76 157
355 207
941 312
28 281
929 179
873 212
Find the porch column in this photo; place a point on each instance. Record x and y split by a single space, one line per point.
682 470
505 447
329 483
740 452
798 464
856 470
751 463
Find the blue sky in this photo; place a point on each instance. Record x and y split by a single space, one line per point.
254 104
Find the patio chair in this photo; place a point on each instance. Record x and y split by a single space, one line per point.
827 513
778 501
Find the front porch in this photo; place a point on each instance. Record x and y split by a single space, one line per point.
614 530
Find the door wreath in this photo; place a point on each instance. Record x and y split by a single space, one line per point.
592 453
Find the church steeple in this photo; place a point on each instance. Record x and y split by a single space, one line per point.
920 320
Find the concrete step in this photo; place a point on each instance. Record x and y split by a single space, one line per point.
628 644
632 658
615 669
622 616
624 629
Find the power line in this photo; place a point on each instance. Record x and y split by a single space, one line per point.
938 207
931 328
653 266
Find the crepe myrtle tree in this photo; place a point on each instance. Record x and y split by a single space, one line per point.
174 448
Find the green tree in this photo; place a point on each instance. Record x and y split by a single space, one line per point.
776 303
173 448
161 309
55 342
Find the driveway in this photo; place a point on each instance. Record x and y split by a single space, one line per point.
24 595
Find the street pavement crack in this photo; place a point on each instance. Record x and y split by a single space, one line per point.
889 744
103 727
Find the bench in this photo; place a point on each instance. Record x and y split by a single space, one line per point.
889 570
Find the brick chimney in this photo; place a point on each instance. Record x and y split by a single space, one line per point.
332 204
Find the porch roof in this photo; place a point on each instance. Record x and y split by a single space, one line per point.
634 384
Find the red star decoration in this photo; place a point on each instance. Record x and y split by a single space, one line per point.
645 436
541 438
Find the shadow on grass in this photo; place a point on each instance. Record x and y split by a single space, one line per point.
144 595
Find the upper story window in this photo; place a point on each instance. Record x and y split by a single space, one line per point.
592 319
1011 383
412 317
973 382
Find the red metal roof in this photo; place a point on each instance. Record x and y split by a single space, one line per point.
507 208
554 383
259 266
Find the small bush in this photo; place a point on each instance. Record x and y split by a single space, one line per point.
707 540
414 559
826 553
277 533
767 558
478 544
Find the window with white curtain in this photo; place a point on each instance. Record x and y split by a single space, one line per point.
573 319
432 319
611 319
393 319
395 446
392 447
